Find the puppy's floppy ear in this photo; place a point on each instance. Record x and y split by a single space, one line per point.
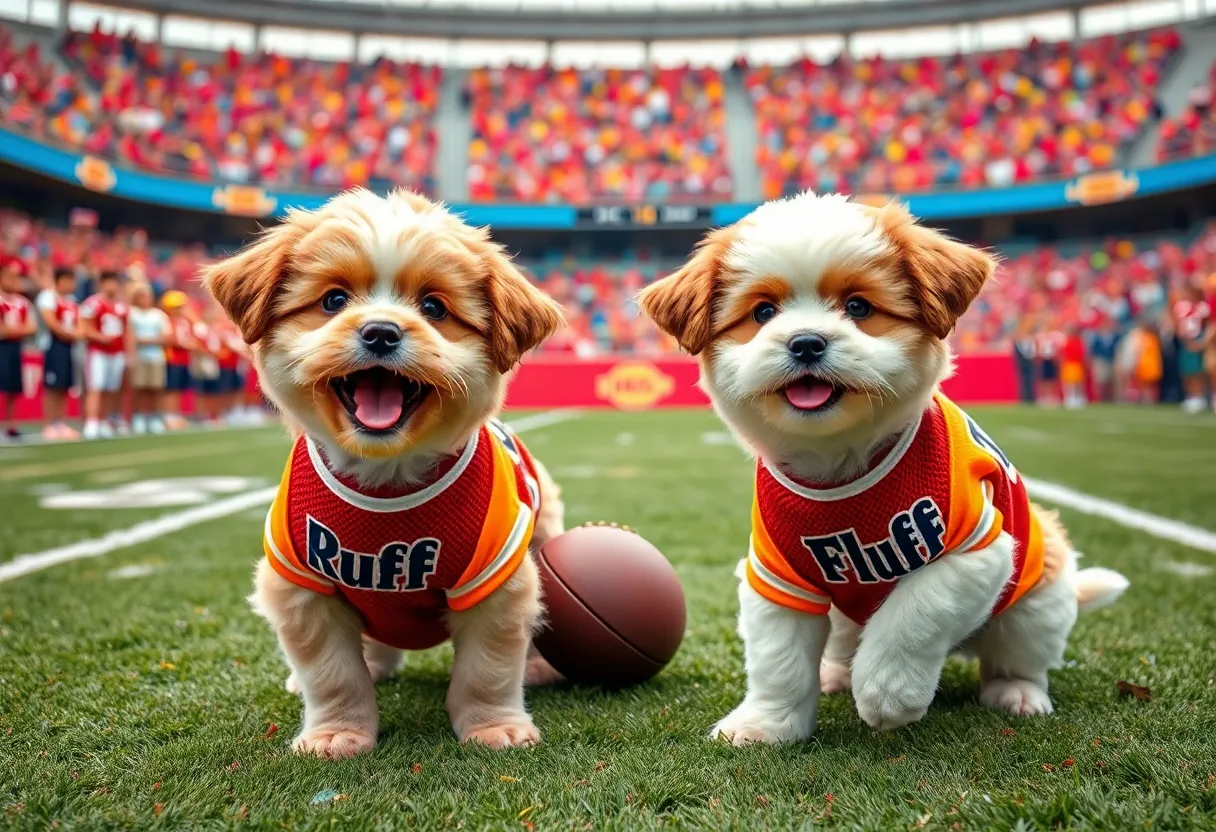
247 283
946 274
521 316
681 304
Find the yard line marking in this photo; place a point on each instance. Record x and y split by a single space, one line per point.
139 533
1133 518
176 521
103 461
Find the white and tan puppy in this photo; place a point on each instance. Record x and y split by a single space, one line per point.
384 329
880 506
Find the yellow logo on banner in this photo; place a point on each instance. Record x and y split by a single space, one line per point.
634 385
1099 188
244 200
95 174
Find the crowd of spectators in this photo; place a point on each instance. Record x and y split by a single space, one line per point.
1193 131
995 119
258 119
582 135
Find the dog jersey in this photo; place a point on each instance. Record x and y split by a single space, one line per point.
403 559
945 488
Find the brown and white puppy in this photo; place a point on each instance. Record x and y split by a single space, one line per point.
821 328
384 329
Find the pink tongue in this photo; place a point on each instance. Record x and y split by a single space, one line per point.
808 393
377 405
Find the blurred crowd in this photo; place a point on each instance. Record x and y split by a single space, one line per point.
585 135
103 312
1112 321
995 119
1193 131
261 118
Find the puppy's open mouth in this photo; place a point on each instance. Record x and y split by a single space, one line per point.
379 400
811 394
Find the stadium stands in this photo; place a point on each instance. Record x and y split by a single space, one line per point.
1193 131
569 135
997 119
234 118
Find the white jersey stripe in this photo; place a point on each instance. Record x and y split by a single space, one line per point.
523 519
763 573
984 525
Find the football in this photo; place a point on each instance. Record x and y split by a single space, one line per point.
615 606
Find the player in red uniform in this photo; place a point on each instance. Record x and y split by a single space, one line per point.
57 306
1192 316
403 559
177 356
16 324
103 324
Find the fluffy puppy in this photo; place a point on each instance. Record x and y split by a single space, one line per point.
887 528
384 329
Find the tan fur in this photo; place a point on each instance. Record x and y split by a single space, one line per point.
681 304
273 290
1057 550
946 275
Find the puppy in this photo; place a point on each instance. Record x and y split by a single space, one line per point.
384 329
880 506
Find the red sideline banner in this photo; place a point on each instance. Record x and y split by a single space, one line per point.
543 382
641 384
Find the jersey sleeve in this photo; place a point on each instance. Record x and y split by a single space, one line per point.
88 309
973 520
769 573
504 539
280 551
46 301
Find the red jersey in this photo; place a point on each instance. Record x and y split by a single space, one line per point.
110 317
403 560
945 488
1074 349
15 311
1192 319
62 308
1049 344
183 333
229 339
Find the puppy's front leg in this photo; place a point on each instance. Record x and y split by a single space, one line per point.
929 612
321 637
782 649
486 696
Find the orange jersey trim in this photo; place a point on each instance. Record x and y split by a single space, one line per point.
276 542
773 578
504 539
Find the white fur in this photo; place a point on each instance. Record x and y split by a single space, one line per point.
929 612
782 648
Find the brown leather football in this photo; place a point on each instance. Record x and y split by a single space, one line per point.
615 606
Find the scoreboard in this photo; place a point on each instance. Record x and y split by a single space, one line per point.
645 216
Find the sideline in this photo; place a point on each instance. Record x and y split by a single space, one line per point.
1133 518
176 521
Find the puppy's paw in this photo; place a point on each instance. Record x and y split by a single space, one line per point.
746 724
335 743
292 685
834 678
1016 696
539 672
891 694
518 732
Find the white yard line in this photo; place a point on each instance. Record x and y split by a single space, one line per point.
176 521
1133 518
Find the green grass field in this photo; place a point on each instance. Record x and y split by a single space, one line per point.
138 690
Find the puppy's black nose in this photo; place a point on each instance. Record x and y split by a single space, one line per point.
808 347
380 337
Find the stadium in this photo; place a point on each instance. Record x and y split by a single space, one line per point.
143 142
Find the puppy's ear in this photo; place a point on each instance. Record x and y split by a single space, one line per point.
946 274
681 304
521 316
247 283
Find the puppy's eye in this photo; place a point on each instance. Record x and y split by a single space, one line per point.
858 308
433 308
764 312
335 301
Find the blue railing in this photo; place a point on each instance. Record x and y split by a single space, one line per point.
101 176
